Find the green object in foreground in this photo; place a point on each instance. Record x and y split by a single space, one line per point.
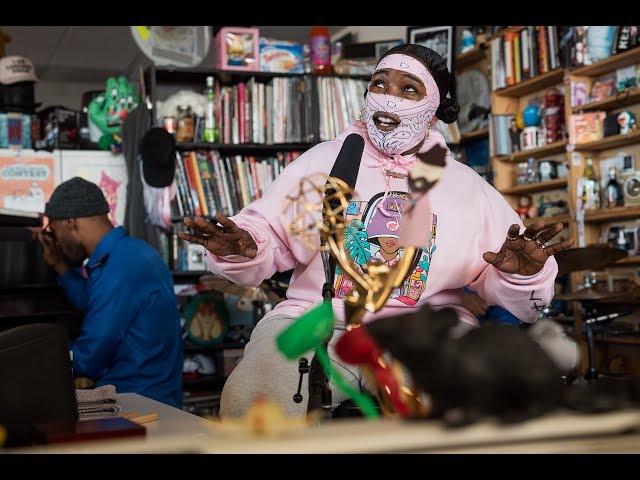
310 332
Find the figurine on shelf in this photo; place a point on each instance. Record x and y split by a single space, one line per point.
525 205
467 42
532 171
553 115
627 122
531 136
515 136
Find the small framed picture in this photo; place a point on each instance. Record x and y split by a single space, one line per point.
382 47
440 39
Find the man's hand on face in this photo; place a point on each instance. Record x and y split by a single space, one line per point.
52 253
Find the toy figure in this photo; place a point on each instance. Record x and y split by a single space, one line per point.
524 207
467 42
553 115
514 133
108 111
627 122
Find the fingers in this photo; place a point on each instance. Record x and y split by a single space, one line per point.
549 233
226 222
558 247
513 232
201 225
494 259
194 239
532 230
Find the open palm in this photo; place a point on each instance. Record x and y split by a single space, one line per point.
223 239
526 254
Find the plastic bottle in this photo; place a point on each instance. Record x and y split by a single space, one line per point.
210 130
321 51
613 196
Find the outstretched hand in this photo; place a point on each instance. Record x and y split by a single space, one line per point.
223 239
526 254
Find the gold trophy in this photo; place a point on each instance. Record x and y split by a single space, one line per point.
315 214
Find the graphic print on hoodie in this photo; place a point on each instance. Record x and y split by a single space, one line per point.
372 236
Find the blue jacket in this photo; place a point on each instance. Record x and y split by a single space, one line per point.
131 335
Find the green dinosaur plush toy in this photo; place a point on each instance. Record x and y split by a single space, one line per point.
108 111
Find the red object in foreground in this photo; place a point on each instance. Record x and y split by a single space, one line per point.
358 348
98 429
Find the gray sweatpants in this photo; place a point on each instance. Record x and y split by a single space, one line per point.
264 370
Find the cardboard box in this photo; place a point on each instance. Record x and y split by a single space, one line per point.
238 48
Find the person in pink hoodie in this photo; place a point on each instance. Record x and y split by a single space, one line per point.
476 240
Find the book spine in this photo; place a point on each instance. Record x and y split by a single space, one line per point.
242 181
198 183
508 59
188 166
180 187
524 43
516 58
233 187
542 44
207 179
188 197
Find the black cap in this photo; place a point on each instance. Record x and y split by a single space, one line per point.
158 149
76 198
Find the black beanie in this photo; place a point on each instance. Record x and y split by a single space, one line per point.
76 198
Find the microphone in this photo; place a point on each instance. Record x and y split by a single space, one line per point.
348 160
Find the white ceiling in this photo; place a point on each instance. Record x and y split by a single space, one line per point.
90 54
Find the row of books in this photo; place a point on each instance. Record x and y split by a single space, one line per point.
287 109
501 134
208 183
256 112
340 102
517 56
180 255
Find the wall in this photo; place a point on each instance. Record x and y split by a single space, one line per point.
372 34
67 94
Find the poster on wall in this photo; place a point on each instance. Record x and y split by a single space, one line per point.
106 170
27 179
440 39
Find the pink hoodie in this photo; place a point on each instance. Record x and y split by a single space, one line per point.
468 215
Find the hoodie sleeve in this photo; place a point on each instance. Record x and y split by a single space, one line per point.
523 296
277 250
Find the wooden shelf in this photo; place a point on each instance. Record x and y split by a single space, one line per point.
549 149
632 260
535 187
629 340
563 218
612 63
614 141
244 147
513 29
470 57
474 135
531 85
612 214
627 97
199 75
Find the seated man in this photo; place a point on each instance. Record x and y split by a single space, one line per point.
131 335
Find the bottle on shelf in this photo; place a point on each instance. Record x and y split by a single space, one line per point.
211 133
622 240
321 51
591 186
613 193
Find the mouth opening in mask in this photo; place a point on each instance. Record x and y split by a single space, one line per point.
386 121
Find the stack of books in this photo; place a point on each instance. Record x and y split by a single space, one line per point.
500 135
517 56
266 113
208 183
340 102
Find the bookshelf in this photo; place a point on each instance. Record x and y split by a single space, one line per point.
535 187
245 147
514 98
534 84
628 97
546 150
474 135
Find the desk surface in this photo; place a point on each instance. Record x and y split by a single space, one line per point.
177 431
